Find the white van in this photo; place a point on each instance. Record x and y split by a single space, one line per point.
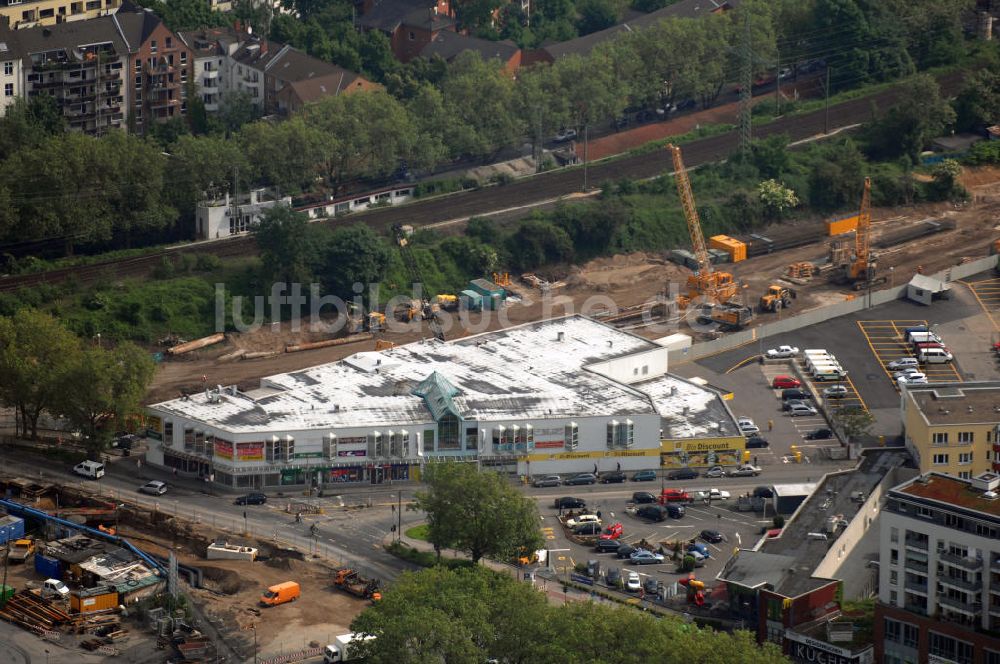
54 588
922 337
92 469
830 373
824 367
934 356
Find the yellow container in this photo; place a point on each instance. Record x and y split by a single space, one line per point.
88 602
839 226
737 250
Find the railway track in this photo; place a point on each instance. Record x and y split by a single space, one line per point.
490 199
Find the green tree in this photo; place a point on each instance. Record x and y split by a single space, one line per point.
536 242
978 105
918 115
836 176
597 15
539 101
36 352
590 91
945 185
116 381
480 97
186 14
236 110
202 168
354 254
770 155
289 245
776 198
477 512
28 121
853 421
288 155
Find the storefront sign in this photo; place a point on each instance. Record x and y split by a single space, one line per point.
805 649
353 440
223 449
307 455
250 451
352 453
704 444
603 454
548 444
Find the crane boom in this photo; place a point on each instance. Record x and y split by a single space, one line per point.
862 237
690 213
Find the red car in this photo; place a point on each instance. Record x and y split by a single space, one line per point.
674 496
612 532
785 383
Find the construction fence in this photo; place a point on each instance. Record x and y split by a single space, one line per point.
863 300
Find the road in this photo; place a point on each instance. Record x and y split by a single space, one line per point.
524 193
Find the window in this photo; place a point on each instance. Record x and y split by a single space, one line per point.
965 458
184 57
8 90
894 555
170 59
940 438
894 534
138 81
991 657
893 630
572 435
152 46
894 598
428 439
893 577
138 64
8 68
966 436
501 438
375 449
471 438
412 36
964 475
449 434
169 42
621 435
399 443
168 431
941 459
330 446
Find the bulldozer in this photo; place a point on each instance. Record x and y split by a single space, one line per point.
776 298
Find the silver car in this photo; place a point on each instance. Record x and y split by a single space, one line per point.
548 480
154 488
800 409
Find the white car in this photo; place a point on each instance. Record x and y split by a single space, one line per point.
747 427
746 470
835 392
583 518
632 582
154 488
715 472
800 409
781 352
712 494
908 371
902 363
912 379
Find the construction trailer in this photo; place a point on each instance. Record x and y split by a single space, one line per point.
11 529
735 249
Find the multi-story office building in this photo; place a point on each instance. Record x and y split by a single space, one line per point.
939 572
952 427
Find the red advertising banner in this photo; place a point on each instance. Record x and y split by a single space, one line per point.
548 444
250 451
224 449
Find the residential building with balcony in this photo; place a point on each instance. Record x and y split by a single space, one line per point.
562 395
230 216
37 13
211 48
82 65
939 571
952 428
12 79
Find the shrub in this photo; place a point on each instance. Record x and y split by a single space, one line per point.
687 564
778 521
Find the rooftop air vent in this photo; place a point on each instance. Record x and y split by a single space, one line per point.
988 482
990 495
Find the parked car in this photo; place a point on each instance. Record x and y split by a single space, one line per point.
699 558
675 511
570 503
613 576
154 488
683 474
582 518
588 528
625 550
651 512
712 494
612 532
713 536
906 371
606 546
835 392
92 469
796 393
791 403
747 426
632 582
699 547
651 586
754 442
564 135
902 363
801 409
644 476
643 498
643 557
746 470
781 352
582 478
819 434
55 588
715 472
613 477
912 379
253 498
785 383
547 480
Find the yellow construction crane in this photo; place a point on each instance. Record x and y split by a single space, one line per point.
859 269
714 287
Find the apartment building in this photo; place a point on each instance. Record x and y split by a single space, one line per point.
211 48
939 572
952 427
12 78
33 14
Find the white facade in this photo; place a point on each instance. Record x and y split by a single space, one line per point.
523 400
224 218
939 559
208 77
11 79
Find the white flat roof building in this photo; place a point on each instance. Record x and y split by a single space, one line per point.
563 395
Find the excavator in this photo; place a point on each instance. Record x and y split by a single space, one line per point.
714 287
858 269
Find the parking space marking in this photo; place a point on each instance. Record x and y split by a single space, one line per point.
885 339
987 294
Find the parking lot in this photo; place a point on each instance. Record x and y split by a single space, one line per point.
737 528
886 338
987 293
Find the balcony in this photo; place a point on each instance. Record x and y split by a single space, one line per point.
916 565
969 586
995 564
916 608
916 586
919 543
211 74
962 606
973 564
157 104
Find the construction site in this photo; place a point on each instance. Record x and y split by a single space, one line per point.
90 575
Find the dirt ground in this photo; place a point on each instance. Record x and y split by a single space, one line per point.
623 281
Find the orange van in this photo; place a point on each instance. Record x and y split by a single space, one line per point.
281 593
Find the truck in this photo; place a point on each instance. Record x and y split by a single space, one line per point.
730 316
352 582
344 648
21 550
